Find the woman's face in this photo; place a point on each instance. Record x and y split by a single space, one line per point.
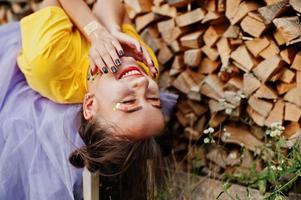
128 99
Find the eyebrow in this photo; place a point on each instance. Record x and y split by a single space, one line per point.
138 108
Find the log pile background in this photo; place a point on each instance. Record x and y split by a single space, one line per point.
236 65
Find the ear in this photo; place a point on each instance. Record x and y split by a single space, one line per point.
89 106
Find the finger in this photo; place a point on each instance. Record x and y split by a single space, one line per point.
103 52
95 56
147 57
113 54
118 47
102 67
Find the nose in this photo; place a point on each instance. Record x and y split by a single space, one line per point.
140 82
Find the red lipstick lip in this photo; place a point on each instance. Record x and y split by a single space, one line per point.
130 68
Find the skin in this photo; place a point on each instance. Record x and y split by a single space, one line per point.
138 114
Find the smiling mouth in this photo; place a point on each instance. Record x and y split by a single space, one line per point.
130 72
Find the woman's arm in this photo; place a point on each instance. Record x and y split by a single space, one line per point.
105 50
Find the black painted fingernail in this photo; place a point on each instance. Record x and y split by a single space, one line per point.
153 63
141 50
121 53
117 62
114 70
105 70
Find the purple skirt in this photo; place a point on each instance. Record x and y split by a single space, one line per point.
37 135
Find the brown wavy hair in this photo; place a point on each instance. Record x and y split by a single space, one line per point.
128 169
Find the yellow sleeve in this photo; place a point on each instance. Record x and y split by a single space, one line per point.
130 30
51 57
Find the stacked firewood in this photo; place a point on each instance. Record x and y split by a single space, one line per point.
236 64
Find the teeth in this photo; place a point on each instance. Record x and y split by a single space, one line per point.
131 73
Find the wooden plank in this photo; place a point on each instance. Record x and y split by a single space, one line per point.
144 20
191 17
267 68
90 185
255 116
242 10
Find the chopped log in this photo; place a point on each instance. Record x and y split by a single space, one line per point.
243 58
291 129
297 62
296 4
208 66
282 88
289 28
185 81
216 119
165 10
270 51
234 84
178 3
241 11
255 116
175 46
231 8
287 75
264 92
294 96
232 32
257 45
166 25
144 20
215 106
197 108
250 83
218 156
213 18
224 51
298 79
292 112
177 65
288 55
190 17
164 55
260 106
211 53
241 137
253 25
277 114
270 12
215 83
200 124
193 57
267 68
279 38
212 34
192 40
207 91
139 6
258 132
172 35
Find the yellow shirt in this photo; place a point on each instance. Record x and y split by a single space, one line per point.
54 55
